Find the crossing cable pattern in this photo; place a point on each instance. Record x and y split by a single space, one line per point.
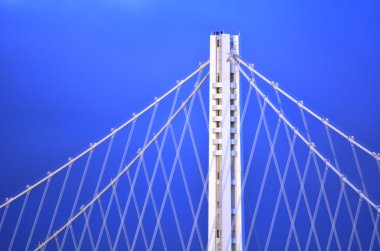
168 182
310 144
274 192
316 157
86 211
94 145
137 157
325 121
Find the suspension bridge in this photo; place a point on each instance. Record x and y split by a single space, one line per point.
225 160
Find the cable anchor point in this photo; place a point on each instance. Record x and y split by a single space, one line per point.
92 145
343 178
327 162
281 115
361 194
325 121
312 146
266 99
351 139
376 156
300 104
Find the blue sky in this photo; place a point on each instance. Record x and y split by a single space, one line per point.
71 70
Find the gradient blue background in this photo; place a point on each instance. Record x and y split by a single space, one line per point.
70 70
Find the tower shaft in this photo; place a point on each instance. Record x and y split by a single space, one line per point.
225 195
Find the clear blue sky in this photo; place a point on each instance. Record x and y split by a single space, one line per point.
71 70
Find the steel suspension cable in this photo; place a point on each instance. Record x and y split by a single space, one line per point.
204 182
59 200
364 187
114 195
19 221
193 142
56 242
302 181
301 192
37 214
95 145
342 191
122 225
132 192
100 178
312 147
274 85
168 194
73 237
126 168
327 125
354 227
373 234
281 179
187 124
262 120
151 181
183 174
92 242
77 195
274 216
3 217
321 179
168 181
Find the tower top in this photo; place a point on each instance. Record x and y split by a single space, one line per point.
218 32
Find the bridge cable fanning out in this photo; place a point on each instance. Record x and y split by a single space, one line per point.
305 140
286 206
126 168
336 169
95 145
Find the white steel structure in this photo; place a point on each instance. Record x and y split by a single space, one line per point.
224 211
306 189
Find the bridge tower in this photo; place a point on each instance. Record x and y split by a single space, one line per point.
225 194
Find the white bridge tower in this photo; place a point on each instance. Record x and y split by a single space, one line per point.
225 195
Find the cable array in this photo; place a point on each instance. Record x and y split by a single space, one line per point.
98 143
315 158
130 198
325 121
311 145
87 235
